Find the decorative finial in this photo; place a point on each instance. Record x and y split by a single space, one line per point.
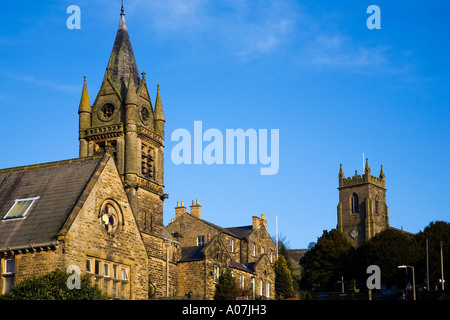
341 172
84 78
382 176
158 86
121 10
143 74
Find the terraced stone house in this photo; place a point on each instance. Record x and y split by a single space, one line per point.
208 249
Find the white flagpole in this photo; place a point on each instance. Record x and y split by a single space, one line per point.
363 163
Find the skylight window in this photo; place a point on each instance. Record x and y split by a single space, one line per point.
20 208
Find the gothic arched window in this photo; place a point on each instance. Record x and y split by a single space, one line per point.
355 203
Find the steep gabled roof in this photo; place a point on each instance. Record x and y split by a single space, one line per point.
59 186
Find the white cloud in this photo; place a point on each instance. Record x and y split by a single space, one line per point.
242 27
247 28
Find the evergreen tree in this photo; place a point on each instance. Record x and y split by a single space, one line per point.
284 283
388 250
226 287
326 262
436 232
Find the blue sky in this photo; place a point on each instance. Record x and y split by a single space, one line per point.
311 69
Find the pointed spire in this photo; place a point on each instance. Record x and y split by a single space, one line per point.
382 176
341 176
122 24
122 64
159 113
131 93
85 105
367 169
341 172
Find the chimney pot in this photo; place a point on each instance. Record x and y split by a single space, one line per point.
263 220
255 222
179 211
196 209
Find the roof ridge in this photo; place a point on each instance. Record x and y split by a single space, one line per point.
50 164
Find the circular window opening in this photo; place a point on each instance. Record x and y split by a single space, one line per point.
106 112
145 114
111 217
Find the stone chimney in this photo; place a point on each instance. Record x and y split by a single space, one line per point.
196 209
179 210
263 220
255 222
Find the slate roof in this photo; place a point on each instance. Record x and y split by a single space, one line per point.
240 232
195 253
59 186
191 253
241 266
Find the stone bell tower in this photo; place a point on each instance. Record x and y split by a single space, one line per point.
362 209
123 121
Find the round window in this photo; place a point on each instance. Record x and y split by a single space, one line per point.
106 112
144 114
111 217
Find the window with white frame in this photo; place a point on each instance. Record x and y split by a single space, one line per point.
253 249
260 287
200 241
231 245
97 267
89 265
110 277
20 208
124 273
8 271
267 289
216 273
106 270
241 280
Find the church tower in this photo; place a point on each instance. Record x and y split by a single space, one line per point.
123 121
362 209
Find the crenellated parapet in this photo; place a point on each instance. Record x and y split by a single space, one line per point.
361 179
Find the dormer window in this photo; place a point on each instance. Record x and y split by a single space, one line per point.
20 208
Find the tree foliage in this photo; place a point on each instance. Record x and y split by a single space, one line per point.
333 257
284 283
436 232
226 287
53 286
388 250
326 262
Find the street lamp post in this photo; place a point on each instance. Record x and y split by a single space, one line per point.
442 269
414 280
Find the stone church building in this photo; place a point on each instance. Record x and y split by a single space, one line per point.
362 210
103 211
